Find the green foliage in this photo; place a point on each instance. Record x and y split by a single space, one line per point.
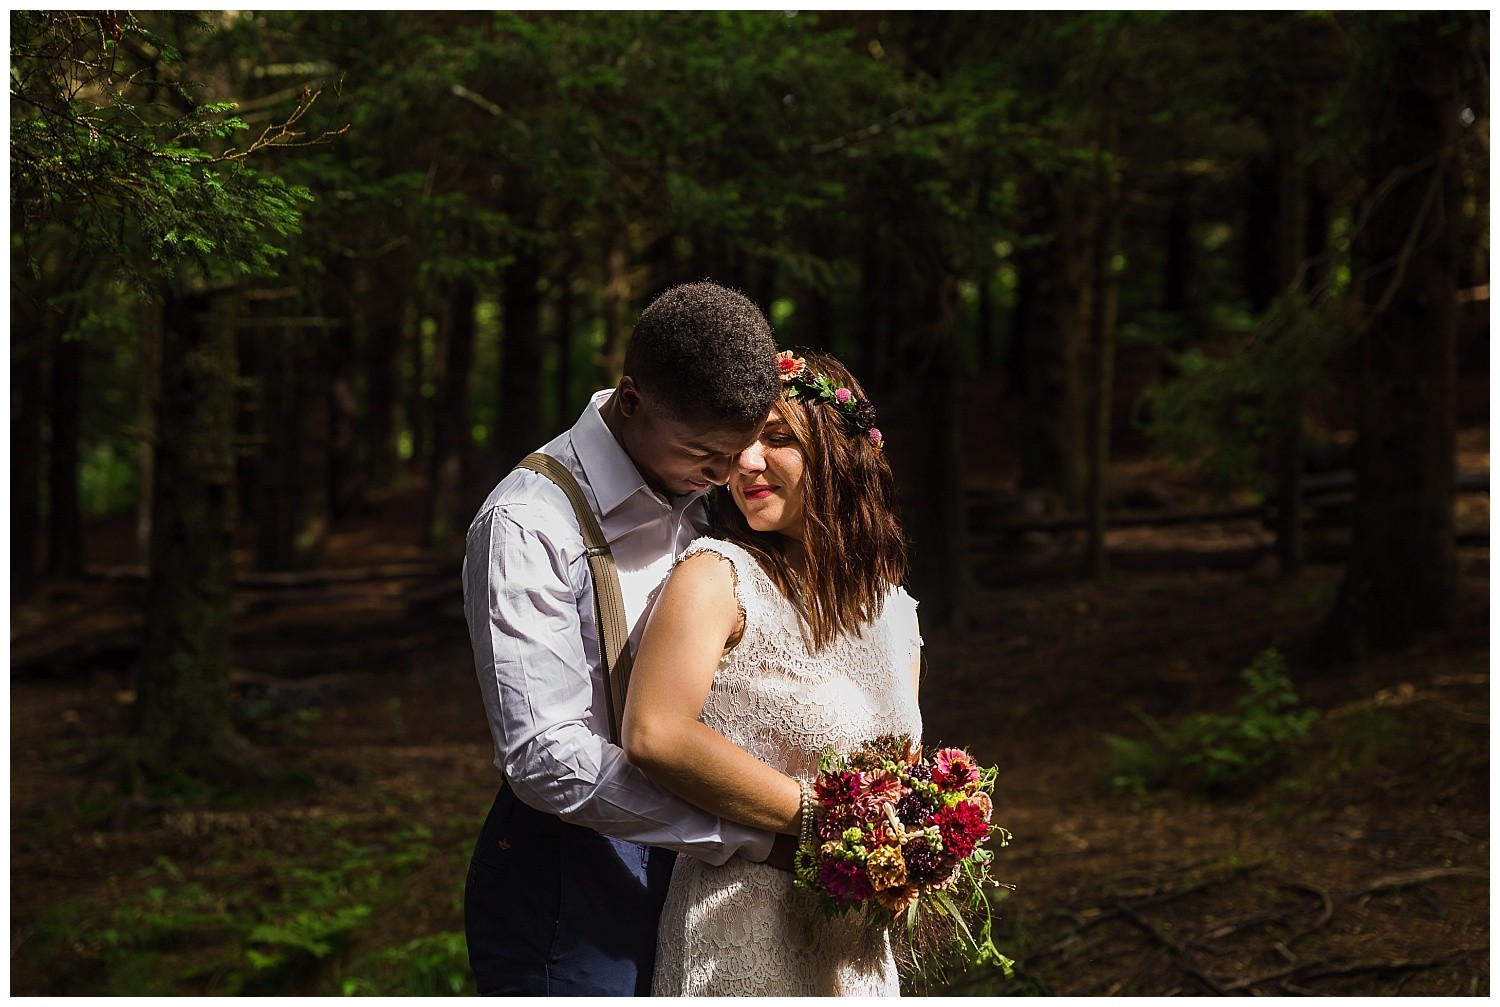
178 935
434 965
121 161
1221 410
1210 751
1362 743
106 480
1373 750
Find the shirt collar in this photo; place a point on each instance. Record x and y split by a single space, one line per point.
612 475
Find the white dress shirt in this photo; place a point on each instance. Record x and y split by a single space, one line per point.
529 602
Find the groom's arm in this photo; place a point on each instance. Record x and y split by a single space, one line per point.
541 697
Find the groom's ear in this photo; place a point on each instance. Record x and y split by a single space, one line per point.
629 397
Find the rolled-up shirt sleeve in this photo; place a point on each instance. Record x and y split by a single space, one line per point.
544 703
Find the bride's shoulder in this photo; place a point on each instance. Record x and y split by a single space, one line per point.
903 607
710 560
747 577
897 593
735 554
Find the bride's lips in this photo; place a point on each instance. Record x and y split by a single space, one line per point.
757 492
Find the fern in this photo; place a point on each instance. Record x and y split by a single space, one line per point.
1213 752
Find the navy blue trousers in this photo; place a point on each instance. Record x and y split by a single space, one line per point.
552 909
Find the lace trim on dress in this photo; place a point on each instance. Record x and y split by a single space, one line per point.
734 575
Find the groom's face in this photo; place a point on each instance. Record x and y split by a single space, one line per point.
677 456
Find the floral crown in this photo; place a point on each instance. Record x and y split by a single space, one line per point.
802 382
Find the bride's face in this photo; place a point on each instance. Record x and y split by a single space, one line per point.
767 480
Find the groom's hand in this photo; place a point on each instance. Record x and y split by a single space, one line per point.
783 852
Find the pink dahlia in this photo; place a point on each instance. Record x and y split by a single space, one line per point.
953 769
877 788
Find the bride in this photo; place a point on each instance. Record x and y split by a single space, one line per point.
787 636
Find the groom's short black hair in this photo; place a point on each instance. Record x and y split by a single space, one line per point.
706 353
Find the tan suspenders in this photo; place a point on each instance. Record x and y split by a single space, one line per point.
609 603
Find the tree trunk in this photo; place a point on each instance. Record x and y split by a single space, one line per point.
934 507
182 709
1291 245
419 364
382 309
890 339
269 351
1402 572
291 408
309 451
616 304
64 518
1053 455
28 341
521 359
760 283
872 316
984 315
562 345
148 384
984 322
347 479
1102 363
451 417
1179 278
810 318
1024 322
1260 251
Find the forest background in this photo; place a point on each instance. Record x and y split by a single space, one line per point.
1178 328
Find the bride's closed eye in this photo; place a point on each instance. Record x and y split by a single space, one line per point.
777 435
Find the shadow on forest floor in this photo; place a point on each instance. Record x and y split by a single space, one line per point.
1358 864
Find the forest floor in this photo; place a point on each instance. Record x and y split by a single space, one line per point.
1357 864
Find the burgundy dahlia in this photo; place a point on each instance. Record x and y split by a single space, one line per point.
845 880
962 827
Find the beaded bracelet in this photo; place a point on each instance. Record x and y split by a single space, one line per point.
806 838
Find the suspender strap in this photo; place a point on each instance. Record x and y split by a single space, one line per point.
609 603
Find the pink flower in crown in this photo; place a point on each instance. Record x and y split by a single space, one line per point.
876 437
790 366
953 769
843 395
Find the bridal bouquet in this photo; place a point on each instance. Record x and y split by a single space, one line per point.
899 834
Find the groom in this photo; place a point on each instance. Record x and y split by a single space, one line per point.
572 865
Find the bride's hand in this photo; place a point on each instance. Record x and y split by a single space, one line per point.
783 853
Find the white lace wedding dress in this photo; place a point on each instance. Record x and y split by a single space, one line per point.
742 929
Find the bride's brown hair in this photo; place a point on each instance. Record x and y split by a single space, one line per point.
855 550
